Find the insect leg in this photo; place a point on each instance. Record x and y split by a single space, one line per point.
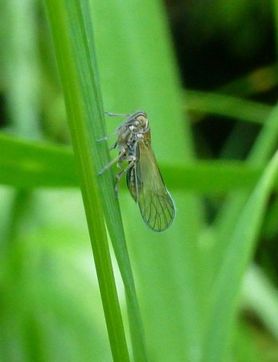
106 138
116 114
112 162
123 172
102 139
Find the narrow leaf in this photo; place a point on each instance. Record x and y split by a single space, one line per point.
240 248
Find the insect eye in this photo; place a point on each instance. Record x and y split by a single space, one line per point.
142 120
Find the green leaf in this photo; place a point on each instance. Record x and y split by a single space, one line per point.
226 105
240 246
70 26
27 164
260 296
260 153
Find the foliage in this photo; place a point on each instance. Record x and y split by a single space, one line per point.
205 289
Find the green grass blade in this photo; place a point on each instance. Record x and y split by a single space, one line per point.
211 177
29 164
259 154
260 80
267 140
21 67
84 108
228 106
261 297
239 251
114 225
270 224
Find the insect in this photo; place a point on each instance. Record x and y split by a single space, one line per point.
143 177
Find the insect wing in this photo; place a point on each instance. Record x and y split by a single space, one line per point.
146 186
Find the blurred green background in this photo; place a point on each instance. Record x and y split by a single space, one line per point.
206 74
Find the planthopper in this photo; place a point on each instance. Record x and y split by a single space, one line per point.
137 161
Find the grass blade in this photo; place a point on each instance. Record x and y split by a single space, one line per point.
260 296
27 164
30 164
239 251
228 106
259 154
84 108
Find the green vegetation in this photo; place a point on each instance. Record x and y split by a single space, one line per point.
205 290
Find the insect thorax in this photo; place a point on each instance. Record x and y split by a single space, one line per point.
134 129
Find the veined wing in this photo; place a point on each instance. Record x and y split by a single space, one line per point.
146 186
